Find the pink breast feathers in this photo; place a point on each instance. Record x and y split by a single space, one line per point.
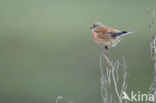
95 37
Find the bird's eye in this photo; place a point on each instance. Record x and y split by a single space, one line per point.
94 26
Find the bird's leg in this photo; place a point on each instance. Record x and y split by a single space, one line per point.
106 51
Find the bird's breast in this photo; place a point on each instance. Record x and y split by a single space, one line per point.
95 37
105 40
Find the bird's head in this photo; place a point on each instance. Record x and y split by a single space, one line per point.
96 26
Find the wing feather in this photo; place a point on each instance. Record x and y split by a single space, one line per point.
106 32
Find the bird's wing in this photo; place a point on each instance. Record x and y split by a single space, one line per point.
118 34
107 32
122 33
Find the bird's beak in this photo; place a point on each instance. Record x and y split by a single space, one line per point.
90 27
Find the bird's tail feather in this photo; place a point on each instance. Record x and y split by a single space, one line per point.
125 33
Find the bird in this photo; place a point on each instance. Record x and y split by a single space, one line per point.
106 36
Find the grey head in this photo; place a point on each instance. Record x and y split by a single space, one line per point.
96 26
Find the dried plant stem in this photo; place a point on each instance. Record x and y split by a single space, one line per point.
103 87
153 47
112 74
58 98
113 77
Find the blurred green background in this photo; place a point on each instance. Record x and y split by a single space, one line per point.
46 48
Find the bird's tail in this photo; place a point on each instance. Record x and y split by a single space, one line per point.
123 33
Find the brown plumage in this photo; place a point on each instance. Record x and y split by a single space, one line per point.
108 37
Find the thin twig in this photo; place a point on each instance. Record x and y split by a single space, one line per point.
124 77
58 98
113 77
103 85
153 47
111 73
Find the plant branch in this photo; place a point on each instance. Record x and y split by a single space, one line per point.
153 47
112 74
